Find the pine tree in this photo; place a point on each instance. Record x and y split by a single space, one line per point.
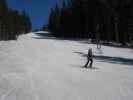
106 20
12 22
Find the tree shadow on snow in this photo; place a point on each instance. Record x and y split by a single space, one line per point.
51 37
114 60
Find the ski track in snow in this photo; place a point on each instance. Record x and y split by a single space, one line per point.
51 69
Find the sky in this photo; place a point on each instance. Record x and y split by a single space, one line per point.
38 10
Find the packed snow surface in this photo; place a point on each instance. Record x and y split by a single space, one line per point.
42 68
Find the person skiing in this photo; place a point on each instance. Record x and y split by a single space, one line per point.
89 58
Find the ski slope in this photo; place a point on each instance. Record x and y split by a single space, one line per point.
42 68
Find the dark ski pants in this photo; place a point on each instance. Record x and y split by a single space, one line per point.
91 62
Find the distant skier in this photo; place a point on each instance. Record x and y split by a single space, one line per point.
89 58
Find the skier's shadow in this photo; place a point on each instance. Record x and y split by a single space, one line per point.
114 60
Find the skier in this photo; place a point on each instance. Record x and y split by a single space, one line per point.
89 58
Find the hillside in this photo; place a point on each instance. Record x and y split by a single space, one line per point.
42 68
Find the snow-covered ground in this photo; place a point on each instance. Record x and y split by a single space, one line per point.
51 69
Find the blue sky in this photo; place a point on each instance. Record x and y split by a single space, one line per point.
38 10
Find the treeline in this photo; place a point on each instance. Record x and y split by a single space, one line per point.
107 20
12 22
